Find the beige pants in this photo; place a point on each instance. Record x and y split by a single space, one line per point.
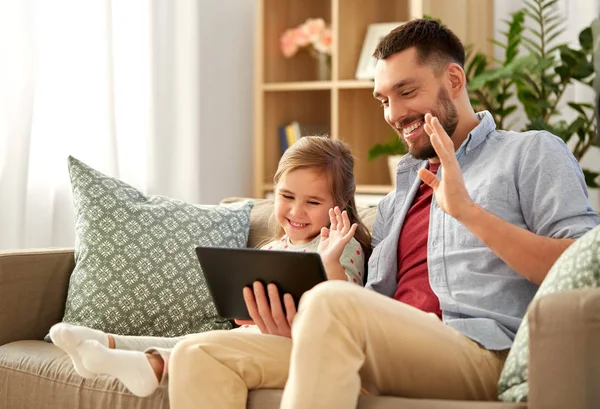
345 338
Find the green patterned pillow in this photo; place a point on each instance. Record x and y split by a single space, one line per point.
136 272
577 268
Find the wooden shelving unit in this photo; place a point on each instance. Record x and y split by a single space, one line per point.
286 89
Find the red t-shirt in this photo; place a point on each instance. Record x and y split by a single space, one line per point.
413 276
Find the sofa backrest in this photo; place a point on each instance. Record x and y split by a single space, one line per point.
261 213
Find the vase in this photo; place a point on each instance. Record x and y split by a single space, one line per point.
323 65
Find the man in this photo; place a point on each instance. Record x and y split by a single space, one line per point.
457 257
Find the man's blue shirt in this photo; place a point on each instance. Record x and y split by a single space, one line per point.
529 179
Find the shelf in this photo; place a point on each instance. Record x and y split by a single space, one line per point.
374 189
278 16
360 189
297 86
287 89
306 107
363 131
354 84
355 16
316 85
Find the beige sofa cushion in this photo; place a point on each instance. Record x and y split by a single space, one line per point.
37 374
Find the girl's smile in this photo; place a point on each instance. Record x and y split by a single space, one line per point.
302 202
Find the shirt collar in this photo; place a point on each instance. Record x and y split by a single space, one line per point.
480 133
477 135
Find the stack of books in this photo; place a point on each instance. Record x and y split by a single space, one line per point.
293 131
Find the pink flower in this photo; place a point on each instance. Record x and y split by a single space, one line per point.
301 37
288 44
313 27
323 43
312 34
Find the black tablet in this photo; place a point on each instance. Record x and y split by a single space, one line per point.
228 270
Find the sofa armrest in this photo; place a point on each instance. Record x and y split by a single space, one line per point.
564 358
33 291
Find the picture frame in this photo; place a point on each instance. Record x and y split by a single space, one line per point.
366 63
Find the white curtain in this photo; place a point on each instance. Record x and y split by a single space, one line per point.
113 83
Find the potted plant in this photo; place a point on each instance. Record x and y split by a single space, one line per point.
394 149
537 71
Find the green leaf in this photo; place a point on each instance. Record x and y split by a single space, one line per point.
564 73
429 17
532 46
583 71
475 102
556 26
544 63
536 17
548 4
568 56
536 122
513 36
537 33
559 129
509 71
503 97
532 8
509 110
549 16
524 81
586 40
516 24
577 126
549 19
499 44
552 37
392 147
591 178
530 102
554 49
477 65
576 107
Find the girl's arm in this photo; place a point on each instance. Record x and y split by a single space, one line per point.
353 262
334 241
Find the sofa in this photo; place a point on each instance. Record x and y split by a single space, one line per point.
35 374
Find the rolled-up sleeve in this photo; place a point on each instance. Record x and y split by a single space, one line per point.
552 190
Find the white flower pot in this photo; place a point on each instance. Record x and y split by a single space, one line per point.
393 163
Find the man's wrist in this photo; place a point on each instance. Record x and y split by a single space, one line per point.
470 213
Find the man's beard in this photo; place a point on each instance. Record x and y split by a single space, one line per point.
446 112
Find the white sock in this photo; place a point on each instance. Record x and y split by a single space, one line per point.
130 367
68 337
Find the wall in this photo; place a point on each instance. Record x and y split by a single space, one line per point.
202 99
579 13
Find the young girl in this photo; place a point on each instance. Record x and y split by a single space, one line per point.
314 211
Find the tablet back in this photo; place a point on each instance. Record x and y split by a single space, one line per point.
228 270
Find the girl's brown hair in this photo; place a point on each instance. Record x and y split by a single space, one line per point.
334 158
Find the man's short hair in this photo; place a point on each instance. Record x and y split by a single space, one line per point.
435 44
